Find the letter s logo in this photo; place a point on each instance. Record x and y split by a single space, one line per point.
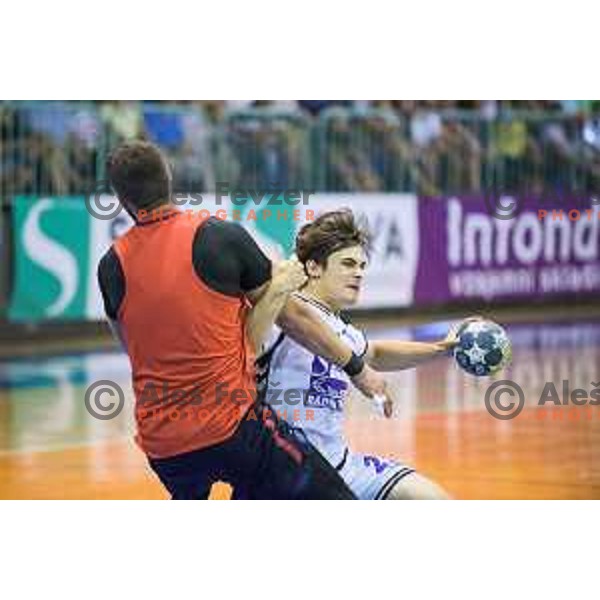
52 256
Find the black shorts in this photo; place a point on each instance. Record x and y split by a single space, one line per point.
264 459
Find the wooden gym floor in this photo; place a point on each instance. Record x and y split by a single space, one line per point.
50 447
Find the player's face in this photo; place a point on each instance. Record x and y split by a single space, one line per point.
341 280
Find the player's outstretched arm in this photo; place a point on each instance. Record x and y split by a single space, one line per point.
392 355
398 355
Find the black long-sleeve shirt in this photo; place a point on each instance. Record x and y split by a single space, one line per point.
224 255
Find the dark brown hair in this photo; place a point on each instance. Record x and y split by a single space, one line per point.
138 173
330 232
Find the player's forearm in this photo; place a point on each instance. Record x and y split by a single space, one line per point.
263 315
398 355
305 327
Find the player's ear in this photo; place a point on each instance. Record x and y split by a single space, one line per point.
313 269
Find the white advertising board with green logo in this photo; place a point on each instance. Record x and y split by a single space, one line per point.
57 245
56 249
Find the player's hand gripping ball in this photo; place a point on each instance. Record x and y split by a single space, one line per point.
483 347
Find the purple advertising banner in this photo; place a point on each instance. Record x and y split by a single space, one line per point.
529 249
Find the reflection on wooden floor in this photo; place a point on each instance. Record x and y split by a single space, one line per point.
51 448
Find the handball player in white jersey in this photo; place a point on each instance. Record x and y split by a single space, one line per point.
310 392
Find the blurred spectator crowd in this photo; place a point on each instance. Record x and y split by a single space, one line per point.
428 147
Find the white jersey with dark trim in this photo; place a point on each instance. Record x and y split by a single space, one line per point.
305 389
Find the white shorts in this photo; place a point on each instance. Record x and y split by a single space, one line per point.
371 477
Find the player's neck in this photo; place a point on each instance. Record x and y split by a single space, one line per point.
312 291
154 213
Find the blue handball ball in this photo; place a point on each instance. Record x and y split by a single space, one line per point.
483 348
